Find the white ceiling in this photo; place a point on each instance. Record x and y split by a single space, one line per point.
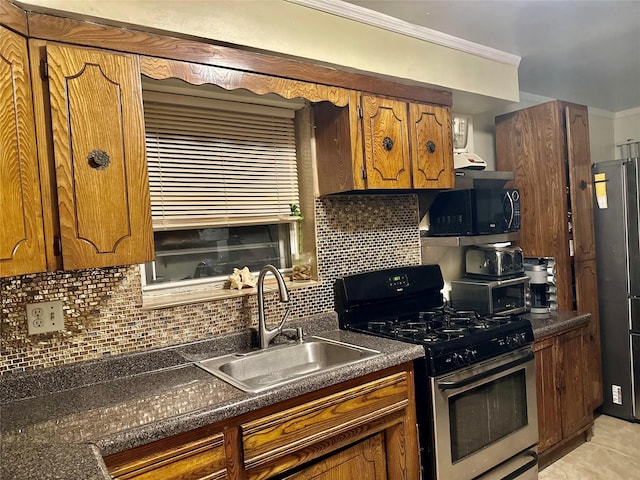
583 51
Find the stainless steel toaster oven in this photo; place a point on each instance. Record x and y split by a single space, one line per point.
494 297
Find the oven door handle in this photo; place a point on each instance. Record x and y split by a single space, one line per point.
451 385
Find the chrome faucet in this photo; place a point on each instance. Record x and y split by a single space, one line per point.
264 334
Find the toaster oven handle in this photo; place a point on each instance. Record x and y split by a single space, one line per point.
451 385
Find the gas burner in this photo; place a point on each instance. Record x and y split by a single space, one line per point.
377 326
406 331
453 331
482 325
431 337
497 319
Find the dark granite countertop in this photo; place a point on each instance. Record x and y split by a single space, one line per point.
60 422
545 324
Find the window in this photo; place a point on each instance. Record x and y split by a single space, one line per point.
222 176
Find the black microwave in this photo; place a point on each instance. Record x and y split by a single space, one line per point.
475 211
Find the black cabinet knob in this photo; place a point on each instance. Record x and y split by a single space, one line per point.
387 144
98 159
431 147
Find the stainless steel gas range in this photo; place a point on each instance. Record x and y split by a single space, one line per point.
475 387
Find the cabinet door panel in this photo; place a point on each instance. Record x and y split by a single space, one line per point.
431 146
575 408
101 170
580 181
531 143
364 460
21 235
587 301
548 389
386 143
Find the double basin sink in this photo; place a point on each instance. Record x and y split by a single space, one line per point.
275 366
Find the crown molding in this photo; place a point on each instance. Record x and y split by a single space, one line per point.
386 22
632 112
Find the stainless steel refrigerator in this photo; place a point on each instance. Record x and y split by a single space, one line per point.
617 230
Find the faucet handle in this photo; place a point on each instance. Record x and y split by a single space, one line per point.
297 332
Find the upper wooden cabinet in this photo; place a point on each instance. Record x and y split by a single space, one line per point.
547 148
100 161
379 143
431 146
21 234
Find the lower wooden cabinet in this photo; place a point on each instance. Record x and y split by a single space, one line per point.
365 459
564 414
362 428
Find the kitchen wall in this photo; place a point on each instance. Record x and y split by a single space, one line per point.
627 126
299 31
102 307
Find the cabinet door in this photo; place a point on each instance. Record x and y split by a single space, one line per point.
431 146
587 301
575 408
21 234
531 143
580 181
386 143
365 459
548 390
99 148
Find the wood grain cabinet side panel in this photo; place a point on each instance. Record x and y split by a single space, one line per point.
293 429
99 148
21 234
431 146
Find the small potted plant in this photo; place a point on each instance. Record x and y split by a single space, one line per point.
302 261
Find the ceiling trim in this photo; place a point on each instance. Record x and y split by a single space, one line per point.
386 22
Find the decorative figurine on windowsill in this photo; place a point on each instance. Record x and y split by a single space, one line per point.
242 279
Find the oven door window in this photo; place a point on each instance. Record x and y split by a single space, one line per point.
487 413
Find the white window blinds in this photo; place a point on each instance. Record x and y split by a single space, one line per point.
217 163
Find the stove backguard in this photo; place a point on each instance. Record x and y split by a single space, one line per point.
379 294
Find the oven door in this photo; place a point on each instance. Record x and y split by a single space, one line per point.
484 415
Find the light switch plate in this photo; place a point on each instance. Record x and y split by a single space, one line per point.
45 317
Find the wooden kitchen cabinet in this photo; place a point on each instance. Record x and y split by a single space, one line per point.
100 160
21 234
564 414
380 143
365 426
547 148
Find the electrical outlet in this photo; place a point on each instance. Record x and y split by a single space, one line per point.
45 317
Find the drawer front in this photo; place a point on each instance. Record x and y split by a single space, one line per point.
282 433
195 460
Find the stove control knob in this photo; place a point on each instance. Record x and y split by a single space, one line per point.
514 340
470 355
458 360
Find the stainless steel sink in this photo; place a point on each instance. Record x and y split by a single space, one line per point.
263 369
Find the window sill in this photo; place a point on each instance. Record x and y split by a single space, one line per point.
199 295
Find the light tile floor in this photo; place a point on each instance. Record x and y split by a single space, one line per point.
612 454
